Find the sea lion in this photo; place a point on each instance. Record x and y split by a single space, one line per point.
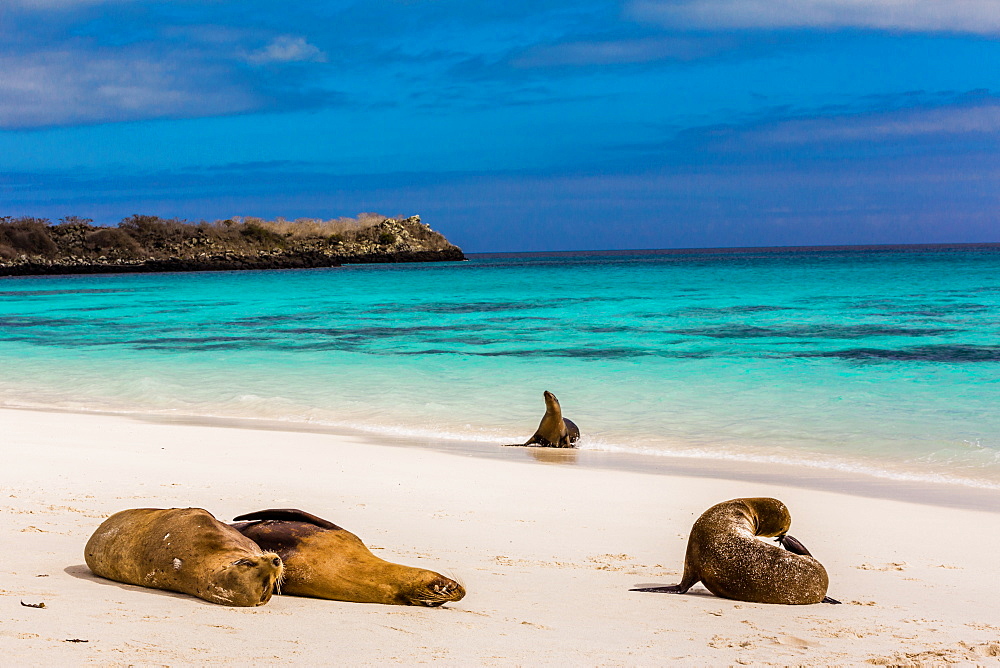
323 560
185 550
554 431
724 554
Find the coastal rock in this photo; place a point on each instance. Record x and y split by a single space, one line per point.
150 244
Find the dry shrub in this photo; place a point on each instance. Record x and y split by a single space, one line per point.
314 228
225 232
112 239
261 235
27 236
155 232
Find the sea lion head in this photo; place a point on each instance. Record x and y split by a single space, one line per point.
551 403
185 550
429 589
246 581
770 517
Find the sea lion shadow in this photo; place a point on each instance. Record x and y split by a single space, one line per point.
81 572
553 455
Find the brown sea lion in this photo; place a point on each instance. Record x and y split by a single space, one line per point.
323 560
185 550
724 554
554 431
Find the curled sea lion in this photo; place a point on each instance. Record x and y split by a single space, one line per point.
724 554
554 431
185 550
323 560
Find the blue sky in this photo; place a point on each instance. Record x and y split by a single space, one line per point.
542 125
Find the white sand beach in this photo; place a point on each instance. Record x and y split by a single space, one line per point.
547 553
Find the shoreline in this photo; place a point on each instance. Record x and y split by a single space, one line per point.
818 478
546 552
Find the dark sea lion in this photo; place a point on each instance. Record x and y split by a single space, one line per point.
724 554
184 550
554 431
323 560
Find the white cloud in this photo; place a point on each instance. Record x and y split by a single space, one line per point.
67 86
60 4
620 52
962 16
982 119
287 49
960 127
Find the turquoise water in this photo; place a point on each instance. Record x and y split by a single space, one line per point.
884 362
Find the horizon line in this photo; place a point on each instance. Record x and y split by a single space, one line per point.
743 249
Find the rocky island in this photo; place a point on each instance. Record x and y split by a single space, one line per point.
31 246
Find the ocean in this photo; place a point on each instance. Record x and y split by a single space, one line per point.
883 361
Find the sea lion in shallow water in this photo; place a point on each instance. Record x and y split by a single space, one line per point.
724 554
323 560
184 550
554 431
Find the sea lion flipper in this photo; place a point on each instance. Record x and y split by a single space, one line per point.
827 599
289 515
531 441
793 545
689 580
672 589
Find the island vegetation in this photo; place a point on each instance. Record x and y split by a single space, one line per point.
142 243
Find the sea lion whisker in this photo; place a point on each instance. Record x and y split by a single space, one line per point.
432 600
457 579
281 576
